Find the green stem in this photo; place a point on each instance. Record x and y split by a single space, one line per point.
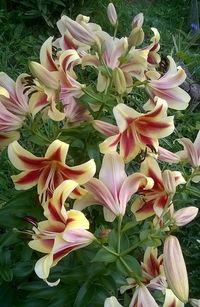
120 217
130 249
106 248
130 272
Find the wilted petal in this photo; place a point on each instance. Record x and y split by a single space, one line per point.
175 269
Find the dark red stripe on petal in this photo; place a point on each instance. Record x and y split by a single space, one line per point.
153 113
65 251
54 213
29 177
32 162
70 173
56 155
127 142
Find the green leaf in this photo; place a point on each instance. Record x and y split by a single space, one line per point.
6 273
132 263
113 239
84 296
103 256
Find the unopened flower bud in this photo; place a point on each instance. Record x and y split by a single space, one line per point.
185 215
175 269
78 32
136 37
119 80
112 15
138 21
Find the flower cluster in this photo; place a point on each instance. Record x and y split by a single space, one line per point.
60 90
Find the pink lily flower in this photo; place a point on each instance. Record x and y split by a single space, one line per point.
47 172
135 131
175 269
62 232
167 87
15 99
113 189
142 298
154 200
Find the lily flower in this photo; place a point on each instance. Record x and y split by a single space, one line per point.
142 297
153 201
136 131
113 189
112 302
14 98
167 87
62 232
47 172
171 300
191 154
175 269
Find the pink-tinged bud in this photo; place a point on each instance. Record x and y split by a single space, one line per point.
138 21
112 15
119 80
78 32
175 269
185 215
112 302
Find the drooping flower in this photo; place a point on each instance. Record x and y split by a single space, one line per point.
62 232
49 171
154 200
167 87
113 189
14 107
136 131
175 269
